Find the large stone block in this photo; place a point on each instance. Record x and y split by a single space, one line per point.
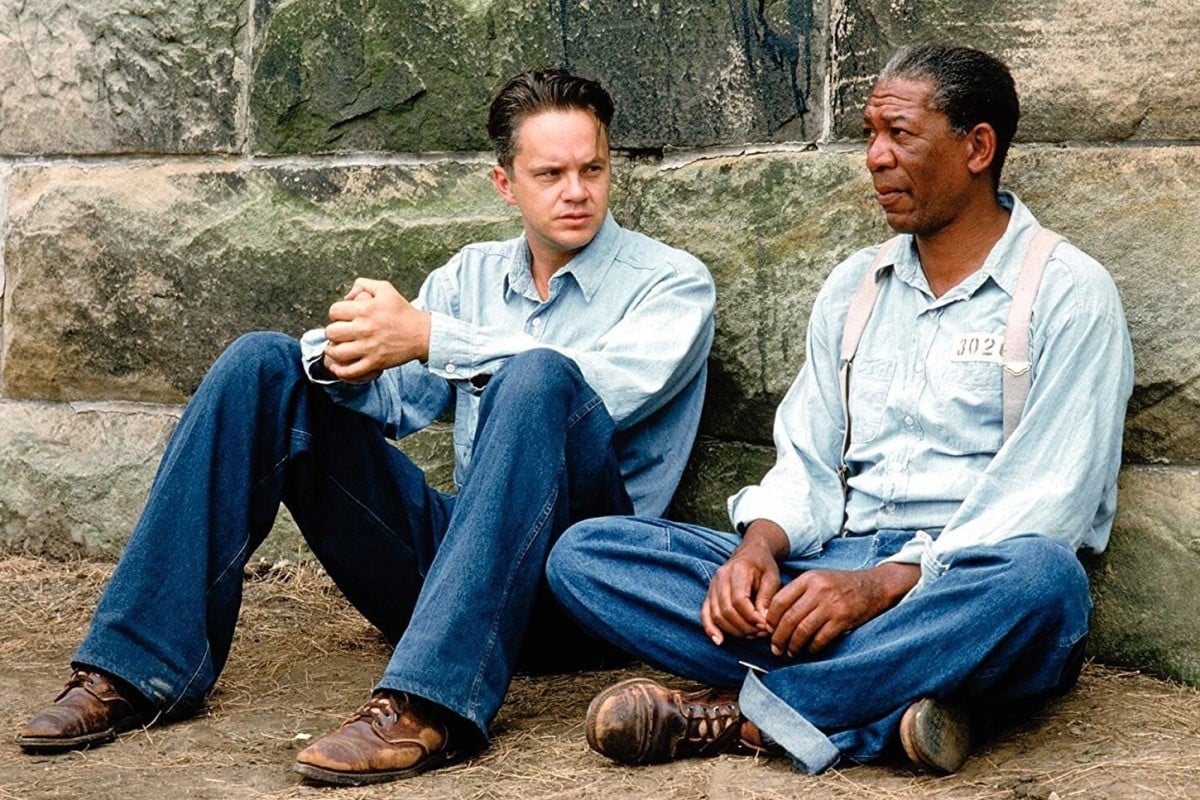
770 227
1147 611
1086 71
1134 211
76 476
349 75
120 76
126 282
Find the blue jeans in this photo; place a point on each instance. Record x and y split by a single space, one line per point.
453 581
1004 625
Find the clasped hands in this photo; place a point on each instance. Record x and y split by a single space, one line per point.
371 329
745 598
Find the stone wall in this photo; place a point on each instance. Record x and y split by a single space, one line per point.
174 175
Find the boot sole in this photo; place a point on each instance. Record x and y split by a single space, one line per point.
340 778
54 744
51 744
936 736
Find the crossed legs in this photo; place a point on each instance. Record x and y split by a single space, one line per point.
1004 624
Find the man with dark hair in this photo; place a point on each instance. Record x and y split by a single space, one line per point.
951 441
575 358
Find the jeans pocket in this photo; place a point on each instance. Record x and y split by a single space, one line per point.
885 544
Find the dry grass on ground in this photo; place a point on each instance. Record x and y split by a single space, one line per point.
304 659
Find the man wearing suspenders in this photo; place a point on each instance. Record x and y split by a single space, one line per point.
951 441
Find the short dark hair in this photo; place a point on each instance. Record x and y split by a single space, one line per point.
538 90
969 87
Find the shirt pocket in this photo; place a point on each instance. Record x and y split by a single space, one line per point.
870 380
981 377
970 392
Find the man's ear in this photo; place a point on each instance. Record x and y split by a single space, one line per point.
503 184
981 148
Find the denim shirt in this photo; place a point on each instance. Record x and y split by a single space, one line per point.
927 451
634 314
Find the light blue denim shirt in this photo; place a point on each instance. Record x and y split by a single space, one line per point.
634 314
926 451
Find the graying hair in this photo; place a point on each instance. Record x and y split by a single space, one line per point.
969 87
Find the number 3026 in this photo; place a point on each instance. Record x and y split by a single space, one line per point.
978 347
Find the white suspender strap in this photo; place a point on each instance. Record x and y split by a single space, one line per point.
1017 365
1017 378
861 306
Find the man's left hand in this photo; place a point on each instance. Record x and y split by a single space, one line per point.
817 607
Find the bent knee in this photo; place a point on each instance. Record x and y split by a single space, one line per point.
537 373
1045 563
263 346
1046 577
542 359
253 354
589 550
574 553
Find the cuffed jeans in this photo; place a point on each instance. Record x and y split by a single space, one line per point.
1005 624
453 581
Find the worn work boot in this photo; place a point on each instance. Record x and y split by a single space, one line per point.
639 721
89 710
936 736
393 736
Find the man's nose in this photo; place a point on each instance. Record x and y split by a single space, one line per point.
879 154
575 189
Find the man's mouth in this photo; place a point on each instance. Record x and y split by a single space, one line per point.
888 195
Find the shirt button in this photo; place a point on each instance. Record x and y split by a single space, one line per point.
536 322
909 421
890 507
450 368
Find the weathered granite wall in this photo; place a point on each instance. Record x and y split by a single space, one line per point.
172 176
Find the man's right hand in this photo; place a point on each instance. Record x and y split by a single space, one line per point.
741 590
373 328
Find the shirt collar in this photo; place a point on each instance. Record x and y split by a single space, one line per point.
1001 265
588 267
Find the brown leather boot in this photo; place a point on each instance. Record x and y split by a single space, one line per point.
89 710
393 736
936 736
639 721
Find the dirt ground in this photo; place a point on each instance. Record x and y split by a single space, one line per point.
304 660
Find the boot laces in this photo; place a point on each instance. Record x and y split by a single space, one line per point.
379 708
711 724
